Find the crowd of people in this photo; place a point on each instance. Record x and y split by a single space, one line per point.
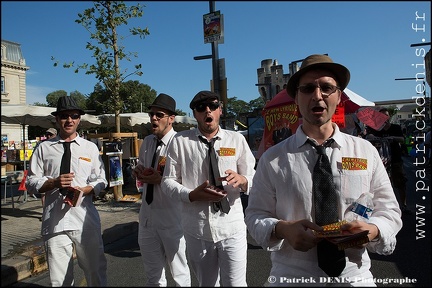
192 217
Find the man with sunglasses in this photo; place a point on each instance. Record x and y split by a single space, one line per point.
212 215
67 228
160 234
285 202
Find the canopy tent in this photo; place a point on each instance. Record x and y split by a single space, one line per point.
141 120
354 101
29 115
24 114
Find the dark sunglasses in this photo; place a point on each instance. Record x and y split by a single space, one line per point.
203 106
65 116
48 134
159 115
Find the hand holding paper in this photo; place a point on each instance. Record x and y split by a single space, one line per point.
73 197
342 239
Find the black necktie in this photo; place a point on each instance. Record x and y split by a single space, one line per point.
65 163
330 259
149 193
214 176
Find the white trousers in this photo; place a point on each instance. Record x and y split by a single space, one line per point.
219 264
160 247
90 255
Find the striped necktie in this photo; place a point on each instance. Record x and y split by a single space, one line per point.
214 176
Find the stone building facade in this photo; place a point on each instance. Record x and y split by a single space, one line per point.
13 84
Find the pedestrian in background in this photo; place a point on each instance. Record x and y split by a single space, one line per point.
393 133
212 215
160 234
50 133
65 228
282 212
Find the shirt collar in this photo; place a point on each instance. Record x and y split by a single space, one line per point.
77 139
301 137
219 135
166 137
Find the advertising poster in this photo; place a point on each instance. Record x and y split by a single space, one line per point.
28 154
115 171
213 27
339 115
114 152
280 123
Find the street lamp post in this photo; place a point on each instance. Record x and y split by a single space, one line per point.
216 77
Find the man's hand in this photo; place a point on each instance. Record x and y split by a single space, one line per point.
299 234
359 226
146 174
65 180
235 180
205 192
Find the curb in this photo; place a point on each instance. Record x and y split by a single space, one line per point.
33 261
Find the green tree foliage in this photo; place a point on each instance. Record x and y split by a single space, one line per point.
80 99
132 93
97 100
103 21
40 104
257 103
53 97
180 112
237 107
135 96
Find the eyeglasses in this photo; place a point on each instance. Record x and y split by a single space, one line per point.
203 106
159 115
48 134
326 89
65 116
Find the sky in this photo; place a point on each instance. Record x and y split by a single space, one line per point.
372 39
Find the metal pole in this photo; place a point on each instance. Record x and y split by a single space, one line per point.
216 77
215 57
215 65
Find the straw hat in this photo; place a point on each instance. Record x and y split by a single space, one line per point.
319 62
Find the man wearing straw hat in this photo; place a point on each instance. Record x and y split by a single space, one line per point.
285 209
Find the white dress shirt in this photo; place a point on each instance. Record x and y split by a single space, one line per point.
164 212
187 168
89 169
282 189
